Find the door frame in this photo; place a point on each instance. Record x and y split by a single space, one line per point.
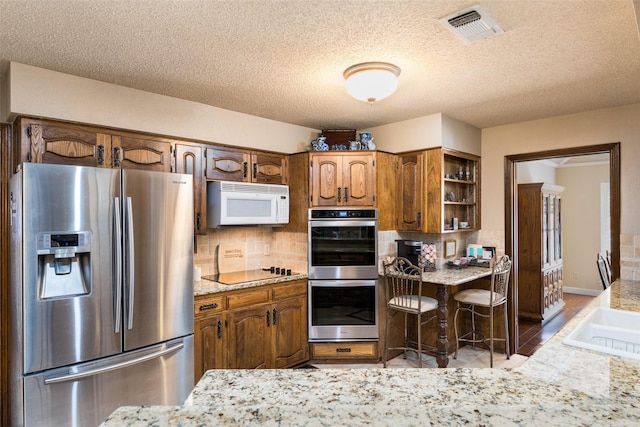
511 213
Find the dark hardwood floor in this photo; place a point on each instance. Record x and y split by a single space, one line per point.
533 334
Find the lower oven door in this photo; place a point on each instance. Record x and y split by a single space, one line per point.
343 310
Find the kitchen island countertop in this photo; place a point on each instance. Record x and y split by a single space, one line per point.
559 385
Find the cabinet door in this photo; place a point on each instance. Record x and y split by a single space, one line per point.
409 191
189 160
140 153
61 143
326 181
289 333
227 164
358 179
210 344
249 341
269 168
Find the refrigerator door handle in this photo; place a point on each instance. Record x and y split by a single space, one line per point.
97 371
130 262
117 232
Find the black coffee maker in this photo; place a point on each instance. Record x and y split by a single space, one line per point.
409 249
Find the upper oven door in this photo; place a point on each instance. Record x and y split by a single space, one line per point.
343 249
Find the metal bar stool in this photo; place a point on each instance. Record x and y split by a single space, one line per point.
403 290
469 299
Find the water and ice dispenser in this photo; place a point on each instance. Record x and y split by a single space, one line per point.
64 264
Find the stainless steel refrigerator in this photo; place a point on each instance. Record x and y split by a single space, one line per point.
101 309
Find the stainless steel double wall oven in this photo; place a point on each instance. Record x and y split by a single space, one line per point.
343 273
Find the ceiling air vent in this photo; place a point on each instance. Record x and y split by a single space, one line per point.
472 24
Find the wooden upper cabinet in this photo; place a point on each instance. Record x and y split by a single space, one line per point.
269 168
43 141
228 164
344 179
437 188
129 152
410 192
189 160
48 141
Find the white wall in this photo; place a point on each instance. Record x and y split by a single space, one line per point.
619 124
43 93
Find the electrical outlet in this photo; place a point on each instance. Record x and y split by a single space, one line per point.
267 250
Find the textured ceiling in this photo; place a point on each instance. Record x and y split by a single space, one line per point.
284 60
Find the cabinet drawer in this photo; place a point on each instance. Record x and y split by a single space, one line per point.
344 350
247 298
205 306
290 290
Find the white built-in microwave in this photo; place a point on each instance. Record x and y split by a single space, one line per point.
243 203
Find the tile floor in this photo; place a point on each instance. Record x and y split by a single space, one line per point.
467 358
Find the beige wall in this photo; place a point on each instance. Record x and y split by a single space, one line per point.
436 130
581 224
535 171
619 124
38 92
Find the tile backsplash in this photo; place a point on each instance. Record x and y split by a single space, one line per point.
270 246
630 256
266 247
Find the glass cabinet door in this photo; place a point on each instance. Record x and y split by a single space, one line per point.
558 234
552 228
545 228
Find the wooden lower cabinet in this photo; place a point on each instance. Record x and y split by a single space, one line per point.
290 340
248 345
262 327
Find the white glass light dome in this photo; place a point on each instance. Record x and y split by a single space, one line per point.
371 81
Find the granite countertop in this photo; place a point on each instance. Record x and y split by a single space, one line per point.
205 287
455 276
559 385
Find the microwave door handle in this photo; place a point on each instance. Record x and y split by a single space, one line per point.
117 254
130 262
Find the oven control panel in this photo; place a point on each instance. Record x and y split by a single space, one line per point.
343 213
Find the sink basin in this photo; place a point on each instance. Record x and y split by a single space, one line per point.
605 330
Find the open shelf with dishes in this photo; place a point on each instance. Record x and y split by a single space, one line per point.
460 173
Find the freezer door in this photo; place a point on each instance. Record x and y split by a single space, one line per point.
158 262
86 395
69 309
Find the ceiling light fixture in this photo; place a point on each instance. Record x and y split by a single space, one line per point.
371 81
